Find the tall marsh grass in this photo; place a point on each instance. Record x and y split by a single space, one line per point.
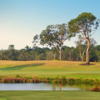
56 80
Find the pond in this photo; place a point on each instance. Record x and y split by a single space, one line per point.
40 86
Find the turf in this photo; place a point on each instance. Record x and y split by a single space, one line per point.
50 69
49 95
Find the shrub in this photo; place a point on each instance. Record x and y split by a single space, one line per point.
17 76
96 89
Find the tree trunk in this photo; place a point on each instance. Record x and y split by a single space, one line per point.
60 56
87 53
60 53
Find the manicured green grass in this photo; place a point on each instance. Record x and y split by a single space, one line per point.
43 68
68 69
49 95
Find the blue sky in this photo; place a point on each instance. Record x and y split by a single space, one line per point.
20 20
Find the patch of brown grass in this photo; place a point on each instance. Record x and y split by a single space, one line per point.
96 89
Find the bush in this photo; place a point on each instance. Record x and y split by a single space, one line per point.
96 89
17 76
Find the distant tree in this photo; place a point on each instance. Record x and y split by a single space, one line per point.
11 51
27 47
41 56
94 57
82 48
98 47
54 36
85 25
49 55
98 51
1 55
11 47
22 57
54 53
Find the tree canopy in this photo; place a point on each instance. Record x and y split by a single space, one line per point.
54 36
85 25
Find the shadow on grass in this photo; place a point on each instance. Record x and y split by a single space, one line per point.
87 64
21 66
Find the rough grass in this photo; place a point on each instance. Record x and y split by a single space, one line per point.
43 68
49 95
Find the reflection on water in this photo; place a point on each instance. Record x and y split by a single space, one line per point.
41 86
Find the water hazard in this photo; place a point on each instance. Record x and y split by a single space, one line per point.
39 86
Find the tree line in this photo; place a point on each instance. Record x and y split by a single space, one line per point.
37 53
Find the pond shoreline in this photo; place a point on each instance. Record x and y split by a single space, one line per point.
62 80
56 81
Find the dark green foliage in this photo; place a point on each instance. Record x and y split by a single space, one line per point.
68 53
11 47
83 23
93 54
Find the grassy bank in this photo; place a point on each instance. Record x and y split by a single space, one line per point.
69 69
50 95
